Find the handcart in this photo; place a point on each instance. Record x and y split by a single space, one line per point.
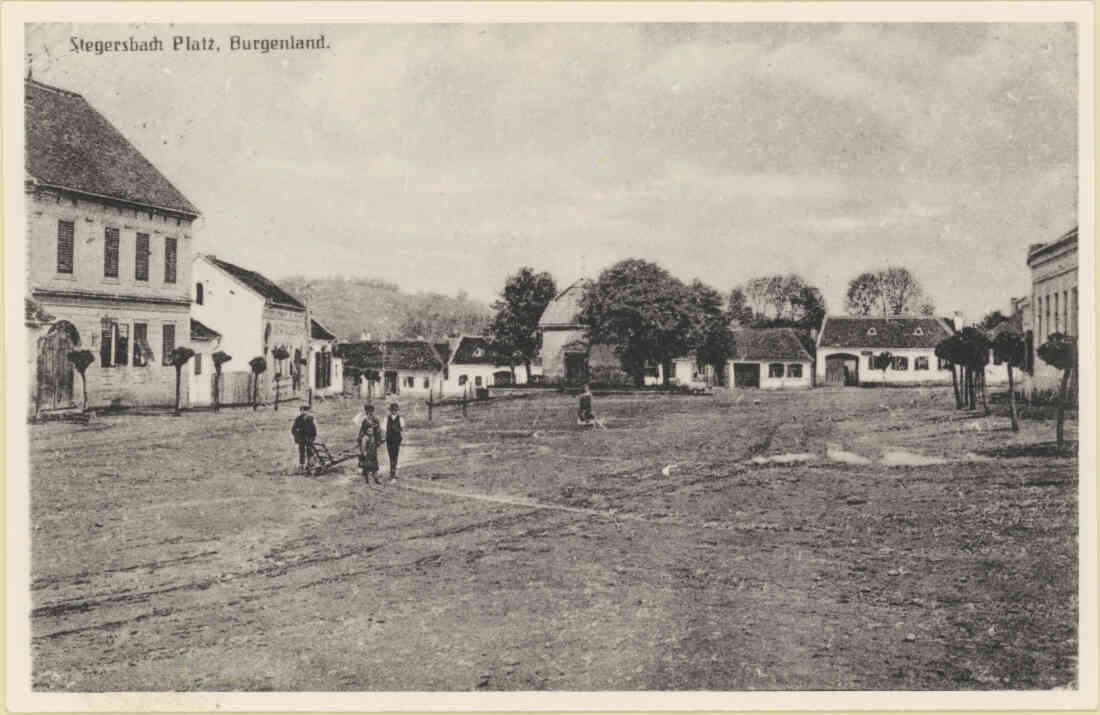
322 460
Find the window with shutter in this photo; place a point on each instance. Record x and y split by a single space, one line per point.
198 363
122 343
106 342
169 260
167 343
64 246
110 253
141 258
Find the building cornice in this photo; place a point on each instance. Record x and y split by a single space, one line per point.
58 294
174 213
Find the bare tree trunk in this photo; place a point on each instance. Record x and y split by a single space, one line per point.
527 365
217 389
955 387
179 372
985 401
84 389
1012 400
276 393
1062 407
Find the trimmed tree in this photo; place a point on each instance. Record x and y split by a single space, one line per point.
1011 348
81 359
279 353
948 349
219 358
975 348
257 365
178 358
883 360
1060 351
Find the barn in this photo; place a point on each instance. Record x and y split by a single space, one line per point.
771 359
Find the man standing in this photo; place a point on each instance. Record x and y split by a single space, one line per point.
305 432
395 429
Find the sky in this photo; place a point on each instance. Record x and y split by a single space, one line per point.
444 157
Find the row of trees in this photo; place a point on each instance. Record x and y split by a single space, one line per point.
968 352
178 358
890 291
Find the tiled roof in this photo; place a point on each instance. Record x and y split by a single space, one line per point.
562 311
318 331
201 332
398 355
34 315
259 283
467 352
71 145
769 344
844 331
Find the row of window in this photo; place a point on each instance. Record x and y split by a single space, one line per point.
116 349
111 251
776 369
901 362
1055 313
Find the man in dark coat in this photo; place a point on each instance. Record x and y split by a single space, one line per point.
305 432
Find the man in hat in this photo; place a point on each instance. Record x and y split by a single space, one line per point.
395 430
305 432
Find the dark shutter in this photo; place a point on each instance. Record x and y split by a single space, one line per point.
64 246
169 260
106 342
110 253
122 344
198 363
141 260
168 343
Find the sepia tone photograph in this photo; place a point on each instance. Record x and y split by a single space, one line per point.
558 357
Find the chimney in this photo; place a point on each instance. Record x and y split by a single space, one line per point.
957 321
364 337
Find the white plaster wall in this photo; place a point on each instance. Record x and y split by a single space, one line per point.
869 375
231 309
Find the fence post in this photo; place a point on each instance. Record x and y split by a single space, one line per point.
429 406
465 392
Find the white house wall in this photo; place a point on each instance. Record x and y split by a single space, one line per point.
232 310
452 388
777 383
871 375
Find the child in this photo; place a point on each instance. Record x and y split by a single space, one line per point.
305 432
585 417
395 428
370 435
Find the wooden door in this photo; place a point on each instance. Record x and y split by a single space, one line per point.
576 368
746 374
842 369
55 371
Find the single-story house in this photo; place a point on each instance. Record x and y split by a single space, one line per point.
769 358
200 382
848 346
325 371
472 364
391 367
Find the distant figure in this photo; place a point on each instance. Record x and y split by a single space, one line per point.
395 429
305 432
585 416
370 437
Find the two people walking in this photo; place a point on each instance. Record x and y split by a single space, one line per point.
371 437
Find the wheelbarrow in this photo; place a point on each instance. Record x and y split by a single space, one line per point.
322 460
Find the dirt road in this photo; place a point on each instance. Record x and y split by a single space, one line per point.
519 553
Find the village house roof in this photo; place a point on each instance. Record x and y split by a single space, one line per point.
33 314
318 331
562 311
1037 250
769 344
260 284
72 146
201 332
390 355
845 331
474 350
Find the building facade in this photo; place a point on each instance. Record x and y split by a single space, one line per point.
255 318
375 369
1054 305
469 364
567 356
109 248
324 370
200 371
770 359
848 347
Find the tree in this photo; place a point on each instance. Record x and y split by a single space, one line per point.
1060 351
893 291
279 353
1011 348
809 308
864 295
948 349
219 358
992 319
777 301
969 349
714 340
81 359
178 358
258 365
514 330
644 312
884 360
740 312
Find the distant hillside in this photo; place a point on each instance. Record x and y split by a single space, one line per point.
350 306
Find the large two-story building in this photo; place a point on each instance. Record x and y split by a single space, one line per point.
109 248
1054 306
